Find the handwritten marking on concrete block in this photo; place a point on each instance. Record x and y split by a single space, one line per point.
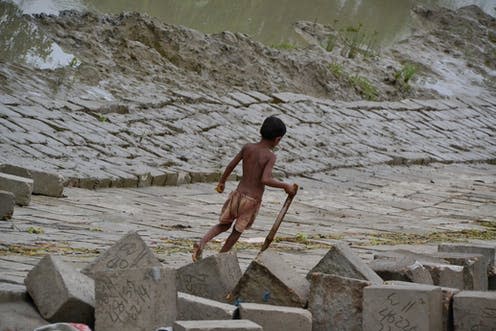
129 252
405 308
135 299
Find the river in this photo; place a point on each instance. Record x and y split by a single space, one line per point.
270 22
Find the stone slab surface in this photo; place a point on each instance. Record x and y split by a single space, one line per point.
60 292
271 317
219 325
402 269
20 316
192 307
488 251
474 310
213 277
336 302
447 299
135 299
21 187
44 183
475 268
416 307
446 275
340 260
7 203
270 280
130 252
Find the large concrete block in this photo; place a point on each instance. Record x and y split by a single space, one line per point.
7 203
20 316
446 275
447 300
193 308
44 183
219 325
21 187
336 302
405 269
60 292
474 310
135 299
269 280
341 261
475 269
486 250
213 277
128 253
275 318
397 307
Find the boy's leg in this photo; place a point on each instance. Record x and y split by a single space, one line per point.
231 240
214 231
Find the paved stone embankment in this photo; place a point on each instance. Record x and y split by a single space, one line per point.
426 172
95 145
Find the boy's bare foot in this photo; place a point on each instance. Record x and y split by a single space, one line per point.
197 252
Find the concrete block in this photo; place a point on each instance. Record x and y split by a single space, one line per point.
21 187
213 277
341 261
405 269
275 318
20 316
127 253
491 279
486 250
193 308
474 310
219 325
269 280
12 292
446 275
397 307
44 183
475 269
447 300
60 292
7 203
135 299
336 302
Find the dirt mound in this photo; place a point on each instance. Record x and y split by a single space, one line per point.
133 55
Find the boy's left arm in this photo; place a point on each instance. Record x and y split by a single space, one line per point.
227 172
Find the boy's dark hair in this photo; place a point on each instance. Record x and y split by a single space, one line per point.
272 128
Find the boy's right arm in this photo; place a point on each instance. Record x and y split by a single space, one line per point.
229 169
268 180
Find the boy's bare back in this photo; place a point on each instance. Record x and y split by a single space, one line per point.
258 159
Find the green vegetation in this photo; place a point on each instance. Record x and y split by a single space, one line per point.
364 86
488 233
361 84
102 118
285 46
35 230
404 76
355 41
337 70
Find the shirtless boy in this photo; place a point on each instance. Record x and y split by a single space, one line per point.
243 203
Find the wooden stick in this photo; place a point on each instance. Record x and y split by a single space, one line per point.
277 223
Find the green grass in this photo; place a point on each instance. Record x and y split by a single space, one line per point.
405 75
337 70
364 87
285 46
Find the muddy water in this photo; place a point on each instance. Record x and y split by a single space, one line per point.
383 21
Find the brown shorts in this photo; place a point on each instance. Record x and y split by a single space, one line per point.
239 207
